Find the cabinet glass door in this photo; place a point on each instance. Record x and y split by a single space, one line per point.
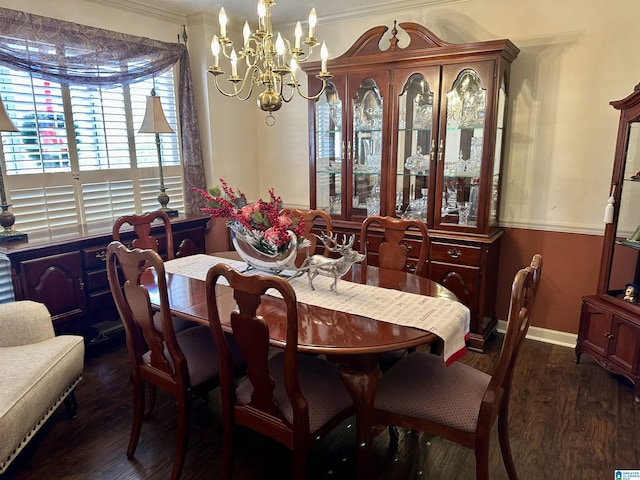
329 151
463 149
625 267
367 111
416 147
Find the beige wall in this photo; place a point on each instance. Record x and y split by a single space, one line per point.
576 56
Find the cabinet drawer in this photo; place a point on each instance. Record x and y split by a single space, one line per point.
97 280
94 257
454 253
102 307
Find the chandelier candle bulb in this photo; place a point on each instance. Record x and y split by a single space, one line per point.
234 64
312 23
222 18
280 48
246 33
298 33
215 50
324 55
262 13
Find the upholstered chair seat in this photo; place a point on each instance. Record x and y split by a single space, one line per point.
447 395
320 384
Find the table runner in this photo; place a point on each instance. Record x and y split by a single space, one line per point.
445 318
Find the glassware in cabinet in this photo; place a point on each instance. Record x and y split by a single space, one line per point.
329 152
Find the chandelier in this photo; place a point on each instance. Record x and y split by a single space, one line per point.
271 64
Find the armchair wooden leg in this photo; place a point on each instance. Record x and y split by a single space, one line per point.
71 405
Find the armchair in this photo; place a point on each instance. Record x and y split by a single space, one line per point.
38 371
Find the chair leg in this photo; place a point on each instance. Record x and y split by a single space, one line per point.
299 463
394 438
182 437
151 390
227 447
138 416
505 447
482 459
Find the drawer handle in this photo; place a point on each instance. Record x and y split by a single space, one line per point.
102 255
609 335
406 246
412 267
454 253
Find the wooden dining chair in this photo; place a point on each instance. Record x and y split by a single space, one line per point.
460 403
293 398
393 252
311 218
142 225
143 238
184 364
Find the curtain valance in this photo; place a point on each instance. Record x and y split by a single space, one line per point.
67 52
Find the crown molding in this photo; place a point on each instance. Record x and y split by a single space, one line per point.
394 6
144 9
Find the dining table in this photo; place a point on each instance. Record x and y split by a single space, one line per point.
373 311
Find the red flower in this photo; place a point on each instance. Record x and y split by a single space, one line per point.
265 221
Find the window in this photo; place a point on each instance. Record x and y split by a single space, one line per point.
78 157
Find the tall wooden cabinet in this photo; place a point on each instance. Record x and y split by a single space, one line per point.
417 128
610 320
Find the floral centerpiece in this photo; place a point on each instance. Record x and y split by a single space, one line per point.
260 227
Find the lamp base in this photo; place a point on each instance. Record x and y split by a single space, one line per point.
163 199
7 219
11 236
170 212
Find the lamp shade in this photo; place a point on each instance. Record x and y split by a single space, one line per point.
154 120
6 125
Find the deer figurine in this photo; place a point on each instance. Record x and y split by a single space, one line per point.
331 267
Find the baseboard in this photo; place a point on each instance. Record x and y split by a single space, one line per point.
545 335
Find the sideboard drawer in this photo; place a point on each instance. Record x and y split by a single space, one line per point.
455 253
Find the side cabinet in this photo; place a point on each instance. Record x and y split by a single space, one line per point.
469 269
610 319
612 337
67 272
58 282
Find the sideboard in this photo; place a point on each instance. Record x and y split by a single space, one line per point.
65 269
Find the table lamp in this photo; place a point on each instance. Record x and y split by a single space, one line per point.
7 219
155 122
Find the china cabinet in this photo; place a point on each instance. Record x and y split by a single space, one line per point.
610 320
413 126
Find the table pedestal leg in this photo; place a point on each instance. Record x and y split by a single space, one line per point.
361 375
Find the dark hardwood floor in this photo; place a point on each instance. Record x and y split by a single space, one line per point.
568 422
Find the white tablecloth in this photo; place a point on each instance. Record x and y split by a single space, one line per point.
445 318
